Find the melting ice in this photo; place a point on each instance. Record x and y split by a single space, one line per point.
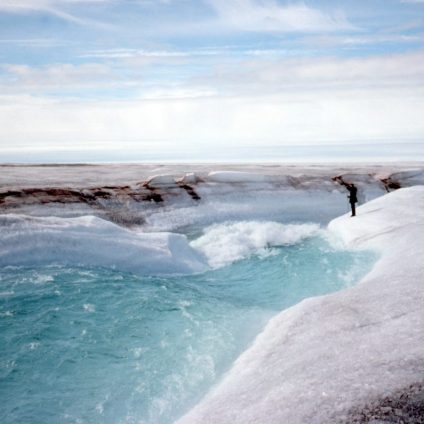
97 337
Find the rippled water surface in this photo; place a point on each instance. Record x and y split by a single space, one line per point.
100 346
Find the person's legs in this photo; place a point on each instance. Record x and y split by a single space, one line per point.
352 205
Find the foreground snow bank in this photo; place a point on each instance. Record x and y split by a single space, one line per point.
91 241
315 362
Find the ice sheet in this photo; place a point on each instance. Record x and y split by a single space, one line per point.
320 359
91 241
88 175
174 198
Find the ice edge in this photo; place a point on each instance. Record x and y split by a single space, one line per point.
328 356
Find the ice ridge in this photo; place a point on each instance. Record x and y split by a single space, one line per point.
92 241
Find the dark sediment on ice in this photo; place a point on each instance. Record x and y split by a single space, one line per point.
406 406
112 192
90 196
390 184
109 202
148 192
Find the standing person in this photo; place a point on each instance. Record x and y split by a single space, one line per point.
352 196
352 192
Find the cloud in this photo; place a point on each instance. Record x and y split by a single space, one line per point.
270 16
310 101
52 7
35 42
163 74
171 18
331 73
24 78
155 54
16 5
298 117
361 40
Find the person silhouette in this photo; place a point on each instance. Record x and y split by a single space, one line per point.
352 196
352 192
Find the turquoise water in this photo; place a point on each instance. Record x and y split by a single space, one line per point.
100 346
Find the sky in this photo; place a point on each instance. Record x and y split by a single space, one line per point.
90 80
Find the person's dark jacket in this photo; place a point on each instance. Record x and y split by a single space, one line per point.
352 197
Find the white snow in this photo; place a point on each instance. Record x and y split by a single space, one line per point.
190 178
299 193
92 241
225 202
161 181
312 362
316 360
228 242
118 174
239 177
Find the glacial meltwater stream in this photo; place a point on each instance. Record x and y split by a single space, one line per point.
92 345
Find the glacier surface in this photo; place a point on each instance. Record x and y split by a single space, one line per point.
318 360
314 362
92 241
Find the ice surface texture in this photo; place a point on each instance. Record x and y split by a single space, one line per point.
316 361
128 194
91 241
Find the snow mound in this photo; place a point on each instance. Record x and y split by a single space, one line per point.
161 181
225 243
190 178
327 356
92 241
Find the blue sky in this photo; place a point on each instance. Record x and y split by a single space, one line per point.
144 75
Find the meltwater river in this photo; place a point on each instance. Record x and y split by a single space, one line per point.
94 345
